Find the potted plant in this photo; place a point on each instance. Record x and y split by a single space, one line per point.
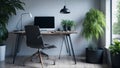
7 8
93 29
70 24
64 23
67 24
115 53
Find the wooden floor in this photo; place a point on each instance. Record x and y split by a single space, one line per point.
64 62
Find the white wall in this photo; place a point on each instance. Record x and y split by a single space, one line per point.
78 9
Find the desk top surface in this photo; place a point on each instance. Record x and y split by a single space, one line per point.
49 32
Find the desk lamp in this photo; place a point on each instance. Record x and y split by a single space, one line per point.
22 16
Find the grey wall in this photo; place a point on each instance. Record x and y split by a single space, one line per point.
78 10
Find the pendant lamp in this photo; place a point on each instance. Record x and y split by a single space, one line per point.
65 10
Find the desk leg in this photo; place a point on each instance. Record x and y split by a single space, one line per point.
72 48
61 47
16 47
67 45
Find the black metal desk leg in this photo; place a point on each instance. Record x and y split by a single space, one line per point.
61 47
72 48
67 45
16 47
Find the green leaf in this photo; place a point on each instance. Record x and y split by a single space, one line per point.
115 47
94 24
8 8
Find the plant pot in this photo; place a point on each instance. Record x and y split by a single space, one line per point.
69 28
2 52
115 61
94 56
64 27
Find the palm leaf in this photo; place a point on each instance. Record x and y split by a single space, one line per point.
7 8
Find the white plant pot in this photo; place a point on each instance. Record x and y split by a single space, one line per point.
2 52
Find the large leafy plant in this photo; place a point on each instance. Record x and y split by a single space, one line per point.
115 47
7 8
94 24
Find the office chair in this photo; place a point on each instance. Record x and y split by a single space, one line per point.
34 40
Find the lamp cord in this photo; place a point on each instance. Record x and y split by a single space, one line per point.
65 2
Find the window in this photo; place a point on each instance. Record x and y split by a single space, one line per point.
116 19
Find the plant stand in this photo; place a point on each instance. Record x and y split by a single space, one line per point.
2 52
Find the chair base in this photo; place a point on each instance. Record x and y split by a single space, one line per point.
39 54
44 54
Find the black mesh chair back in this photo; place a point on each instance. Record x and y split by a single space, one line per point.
33 37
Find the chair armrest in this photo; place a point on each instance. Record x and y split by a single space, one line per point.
49 46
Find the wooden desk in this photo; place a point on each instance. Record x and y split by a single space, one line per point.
49 32
67 39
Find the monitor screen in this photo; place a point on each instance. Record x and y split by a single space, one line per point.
44 22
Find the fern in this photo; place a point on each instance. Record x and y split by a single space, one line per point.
94 24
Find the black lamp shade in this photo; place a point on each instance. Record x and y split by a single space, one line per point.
65 10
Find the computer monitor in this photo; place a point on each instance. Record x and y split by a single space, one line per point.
45 22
